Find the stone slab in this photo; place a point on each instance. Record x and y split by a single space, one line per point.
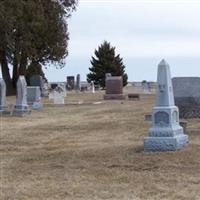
114 85
187 96
133 96
165 143
5 113
33 94
114 96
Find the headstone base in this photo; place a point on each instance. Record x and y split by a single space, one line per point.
114 96
37 106
58 101
5 112
165 143
20 112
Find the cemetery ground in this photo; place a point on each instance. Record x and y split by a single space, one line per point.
92 151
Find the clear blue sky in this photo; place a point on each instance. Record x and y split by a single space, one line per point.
143 32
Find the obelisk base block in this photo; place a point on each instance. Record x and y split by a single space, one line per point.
165 143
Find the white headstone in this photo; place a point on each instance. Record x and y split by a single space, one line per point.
166 133
63 86
59 96
92 87
145 86
51 94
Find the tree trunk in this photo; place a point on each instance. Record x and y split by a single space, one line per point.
15 70
16 59
6 74
23 64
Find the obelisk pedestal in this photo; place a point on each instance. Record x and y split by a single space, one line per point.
166 134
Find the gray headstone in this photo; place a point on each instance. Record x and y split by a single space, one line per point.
33 94
2 95
166 134
164 94
187 96
78 82
37 80
37 106
21 98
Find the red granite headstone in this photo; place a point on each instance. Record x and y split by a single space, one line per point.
114 88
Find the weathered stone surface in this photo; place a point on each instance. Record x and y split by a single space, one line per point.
2 95
114 88
114 85
166 132
187 96
33 94
92 87
165 143
59 95
37 105
70 82
21 106
146 87
37 80
134 96
78 83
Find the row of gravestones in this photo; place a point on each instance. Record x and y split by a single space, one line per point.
166 132
71 84
114 88
58 93
38 81
186 93
24 95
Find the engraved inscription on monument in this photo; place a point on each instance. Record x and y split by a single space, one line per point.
161 118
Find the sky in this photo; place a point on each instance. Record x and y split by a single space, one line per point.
143 32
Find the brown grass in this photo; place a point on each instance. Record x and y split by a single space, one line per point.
89 151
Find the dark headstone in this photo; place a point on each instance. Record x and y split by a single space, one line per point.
114 88
33 94
37 80
70 82
133 96
187 96
78 83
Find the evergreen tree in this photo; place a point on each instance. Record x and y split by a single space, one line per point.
105 61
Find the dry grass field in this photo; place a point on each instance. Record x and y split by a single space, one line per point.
89 151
